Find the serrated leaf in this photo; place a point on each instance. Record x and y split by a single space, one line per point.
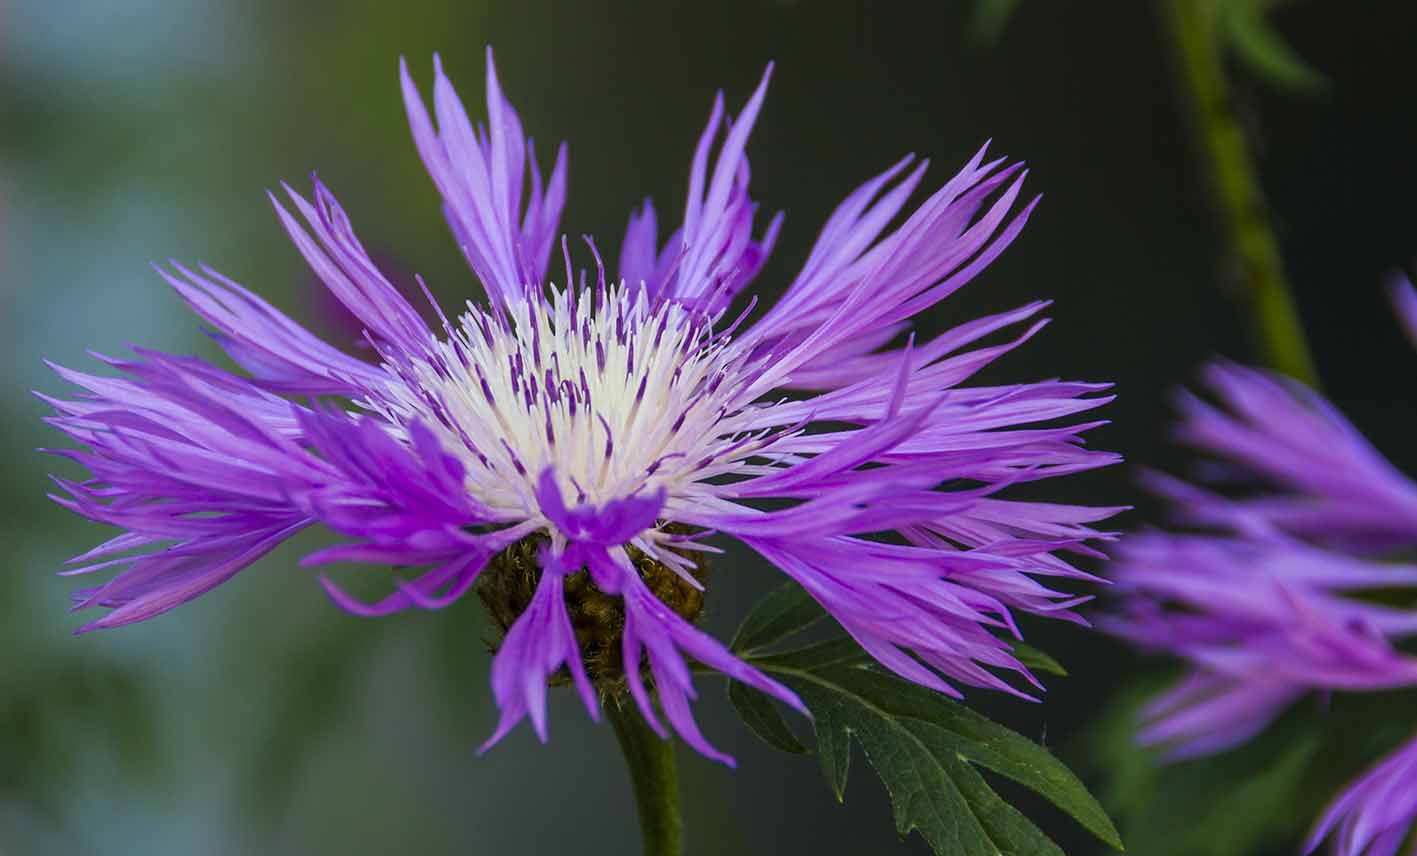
921 744
922 783
788 609
834 750
1038 661
1245 28
1007 827
763 718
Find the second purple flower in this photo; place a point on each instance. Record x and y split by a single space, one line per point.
1272 593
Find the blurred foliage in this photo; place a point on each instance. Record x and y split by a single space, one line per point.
1245 28
462 637
317 691
42 711
1259 798
315 694
990 16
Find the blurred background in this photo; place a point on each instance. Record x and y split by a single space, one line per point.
259 718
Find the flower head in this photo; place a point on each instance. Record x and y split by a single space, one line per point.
1265 596
568 448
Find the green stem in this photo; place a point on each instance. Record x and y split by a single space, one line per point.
1191 26
655 779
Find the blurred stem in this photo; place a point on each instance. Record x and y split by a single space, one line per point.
654 776
1191 27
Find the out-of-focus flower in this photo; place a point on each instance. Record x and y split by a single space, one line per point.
568 449
1373 815
1265 597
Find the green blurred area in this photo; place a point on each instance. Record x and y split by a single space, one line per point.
259 718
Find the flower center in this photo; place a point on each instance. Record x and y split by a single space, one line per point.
509 581
615 394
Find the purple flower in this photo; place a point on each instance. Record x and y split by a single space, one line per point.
1263 597
1262 620
1374 814
567 449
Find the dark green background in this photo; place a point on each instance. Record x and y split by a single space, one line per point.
260 717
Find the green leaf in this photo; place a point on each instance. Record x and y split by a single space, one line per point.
922 744
833 652
787 610
1006 826
1245 28
1038 661
762 717
834 750
925 746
